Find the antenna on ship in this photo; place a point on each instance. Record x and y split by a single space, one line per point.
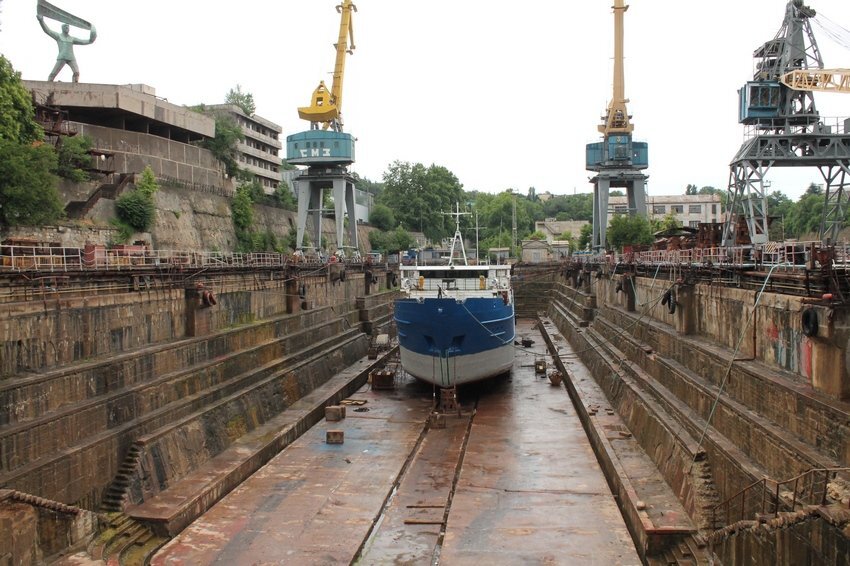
457 237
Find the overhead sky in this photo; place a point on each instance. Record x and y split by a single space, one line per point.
505 94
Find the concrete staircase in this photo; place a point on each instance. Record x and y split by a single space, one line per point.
79 209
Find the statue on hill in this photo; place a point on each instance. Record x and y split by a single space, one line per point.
64 41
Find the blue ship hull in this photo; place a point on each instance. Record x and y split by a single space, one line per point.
447 342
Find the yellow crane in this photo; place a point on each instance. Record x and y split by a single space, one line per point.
825 80
326 105
617 119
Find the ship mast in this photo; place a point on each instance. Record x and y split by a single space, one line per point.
457 237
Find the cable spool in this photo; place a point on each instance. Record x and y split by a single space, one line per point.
809 322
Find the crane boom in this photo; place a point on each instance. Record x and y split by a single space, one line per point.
825 80
326 104
616 120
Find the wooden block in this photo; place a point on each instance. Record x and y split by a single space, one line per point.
437 420
334 412
335 437
383 379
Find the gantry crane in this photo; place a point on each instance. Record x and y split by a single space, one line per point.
617 160
325 149
784 128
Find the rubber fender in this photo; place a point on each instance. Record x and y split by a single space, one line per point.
302 291
619 286
665 298
391 278
809 322
579 279
205 298
599 274
212 300
671 304
342 275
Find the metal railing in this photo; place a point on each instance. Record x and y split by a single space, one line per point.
789 255
771 497
59 259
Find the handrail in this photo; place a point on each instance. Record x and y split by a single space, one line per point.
805 489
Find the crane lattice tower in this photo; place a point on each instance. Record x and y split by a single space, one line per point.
784 129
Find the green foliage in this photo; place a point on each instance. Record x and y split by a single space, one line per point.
284 197
364 184
382 218
537 235
806 215
135 209
691 189
668 222
224 145
286 165
125 231
570 207
585 236
497 240
629 230
147 185
391 242
242 213
28 195
17 117
244 100
418 196
74 158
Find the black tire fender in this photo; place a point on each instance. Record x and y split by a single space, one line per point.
809 322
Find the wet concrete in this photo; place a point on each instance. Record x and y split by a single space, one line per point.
514 482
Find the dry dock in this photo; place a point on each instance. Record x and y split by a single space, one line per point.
511 480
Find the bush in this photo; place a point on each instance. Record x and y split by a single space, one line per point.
136 209
74 158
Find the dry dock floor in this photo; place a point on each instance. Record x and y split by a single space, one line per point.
510 479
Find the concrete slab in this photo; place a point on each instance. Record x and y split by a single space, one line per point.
518 477
530 490
314 503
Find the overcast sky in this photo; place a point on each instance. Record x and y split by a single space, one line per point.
505 94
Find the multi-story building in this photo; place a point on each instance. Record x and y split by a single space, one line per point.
689 210
259 152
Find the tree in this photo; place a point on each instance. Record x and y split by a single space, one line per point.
536 235
285 197
382 218
147 185
585 236
74 158
570 207
28 195
628 229
691 189
17 117
418 196
806 215
224 145
244 100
